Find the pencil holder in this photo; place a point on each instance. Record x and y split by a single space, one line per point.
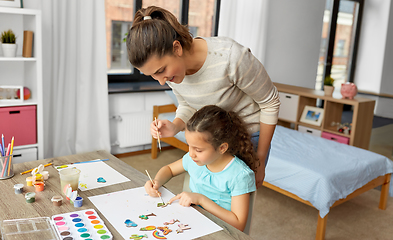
6 167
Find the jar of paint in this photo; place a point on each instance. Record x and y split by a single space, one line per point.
39 186
18 188
29 181
30 197
78 202
57 200
45 174
38 178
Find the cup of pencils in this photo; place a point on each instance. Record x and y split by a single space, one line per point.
6 166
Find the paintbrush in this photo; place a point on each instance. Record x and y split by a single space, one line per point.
151 180
158 136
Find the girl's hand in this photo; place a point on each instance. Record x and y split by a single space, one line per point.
151 189
164 127
187 198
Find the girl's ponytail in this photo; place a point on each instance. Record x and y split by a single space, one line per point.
152 36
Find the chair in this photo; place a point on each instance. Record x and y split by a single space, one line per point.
253 195
163 111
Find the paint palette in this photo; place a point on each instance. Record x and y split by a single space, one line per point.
85 224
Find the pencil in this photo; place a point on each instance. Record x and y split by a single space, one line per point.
33 169
158 135
9 160
151 180
2 141
5 162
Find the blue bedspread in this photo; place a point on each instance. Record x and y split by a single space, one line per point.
321 171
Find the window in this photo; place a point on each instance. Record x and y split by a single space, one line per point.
340 36
201 16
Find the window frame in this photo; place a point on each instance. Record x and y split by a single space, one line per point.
332 36
135 75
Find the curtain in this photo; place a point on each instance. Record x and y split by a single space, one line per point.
76 117
246 22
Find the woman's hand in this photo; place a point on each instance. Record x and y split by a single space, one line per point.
151 189
164 127
187 198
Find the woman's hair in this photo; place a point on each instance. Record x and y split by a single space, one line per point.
222 127
155 36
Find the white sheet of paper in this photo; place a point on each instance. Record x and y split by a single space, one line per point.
129 204
90 172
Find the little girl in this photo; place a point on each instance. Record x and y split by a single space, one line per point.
220 162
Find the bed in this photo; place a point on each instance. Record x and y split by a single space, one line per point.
313 170
323 173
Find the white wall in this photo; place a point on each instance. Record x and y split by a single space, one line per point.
293 41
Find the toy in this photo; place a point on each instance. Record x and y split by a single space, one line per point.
343 127
26 93
348 90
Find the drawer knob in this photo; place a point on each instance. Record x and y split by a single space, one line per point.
14 112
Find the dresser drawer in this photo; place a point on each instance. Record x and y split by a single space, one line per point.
311 131
24 155
19 122
335 137
288 107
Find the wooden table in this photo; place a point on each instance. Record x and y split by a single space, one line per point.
14 206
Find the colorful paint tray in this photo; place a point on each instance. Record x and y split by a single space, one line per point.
84 224
40 228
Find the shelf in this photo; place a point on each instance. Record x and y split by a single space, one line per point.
310 126
21 11
17 59
26 146
361 119
337 133
24 71
10 103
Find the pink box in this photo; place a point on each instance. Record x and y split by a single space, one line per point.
335 137
18 122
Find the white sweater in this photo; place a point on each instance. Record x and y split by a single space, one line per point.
233 79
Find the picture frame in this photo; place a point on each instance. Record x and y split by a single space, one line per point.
312 115
10 3
10 94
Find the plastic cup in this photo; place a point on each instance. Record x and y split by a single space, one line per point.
6 167
69 176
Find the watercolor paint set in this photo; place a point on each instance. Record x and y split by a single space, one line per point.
84 224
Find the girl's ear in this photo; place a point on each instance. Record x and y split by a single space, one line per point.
177 48
223 148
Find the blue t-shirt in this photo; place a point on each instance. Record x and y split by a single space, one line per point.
235 180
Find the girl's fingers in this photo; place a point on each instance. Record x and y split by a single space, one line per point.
178 196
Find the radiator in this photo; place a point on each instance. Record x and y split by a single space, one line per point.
133 129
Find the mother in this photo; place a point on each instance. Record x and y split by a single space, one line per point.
204 71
